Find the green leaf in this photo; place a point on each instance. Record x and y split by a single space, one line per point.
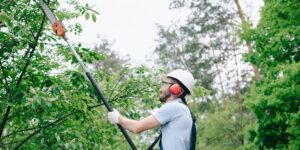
87 16
42 47
94 17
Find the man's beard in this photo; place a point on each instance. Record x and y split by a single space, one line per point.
164 97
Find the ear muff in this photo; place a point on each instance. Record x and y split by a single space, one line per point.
175 89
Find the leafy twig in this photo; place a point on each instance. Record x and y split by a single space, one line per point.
8 108
48 125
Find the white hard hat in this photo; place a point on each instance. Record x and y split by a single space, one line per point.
185 77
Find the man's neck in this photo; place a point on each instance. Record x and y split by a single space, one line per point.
171 99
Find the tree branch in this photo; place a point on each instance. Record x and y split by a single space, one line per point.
2 145
22 142
248 42
5 79
32 51
52 123
40 128
8 108
48 125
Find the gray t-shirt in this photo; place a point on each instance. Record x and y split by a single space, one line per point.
176 124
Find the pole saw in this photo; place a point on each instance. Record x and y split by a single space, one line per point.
59 29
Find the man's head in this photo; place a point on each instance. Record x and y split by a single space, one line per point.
177 83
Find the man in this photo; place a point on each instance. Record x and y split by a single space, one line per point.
174 117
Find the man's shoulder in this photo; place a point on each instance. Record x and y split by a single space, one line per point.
173 106
170 104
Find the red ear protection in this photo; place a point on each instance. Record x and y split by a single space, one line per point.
175 89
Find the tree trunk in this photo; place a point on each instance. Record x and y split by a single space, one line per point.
239 99
220 80
248 44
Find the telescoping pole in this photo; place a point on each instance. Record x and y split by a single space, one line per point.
54 21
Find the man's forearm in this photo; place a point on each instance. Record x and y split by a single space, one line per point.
139 126
129 124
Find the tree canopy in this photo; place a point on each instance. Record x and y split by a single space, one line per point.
275 99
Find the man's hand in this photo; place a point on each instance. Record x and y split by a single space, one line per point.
113 116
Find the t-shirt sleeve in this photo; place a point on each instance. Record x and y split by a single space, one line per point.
165 114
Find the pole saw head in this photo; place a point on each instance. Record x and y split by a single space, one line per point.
58 28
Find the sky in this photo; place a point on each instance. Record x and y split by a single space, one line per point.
131 24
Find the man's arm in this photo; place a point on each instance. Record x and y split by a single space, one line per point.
138 126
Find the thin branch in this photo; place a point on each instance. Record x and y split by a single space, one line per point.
2 145
13 139
40 128
48 125
32 51
248 42
26 21
115 86
240 101
220 79
8 108
26 139
5 79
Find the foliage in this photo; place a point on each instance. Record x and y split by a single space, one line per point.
277 35
114 62
275 99
223 127
275 102
46 101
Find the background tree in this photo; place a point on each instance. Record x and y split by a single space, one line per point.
190 46
113 61
275 99
208 44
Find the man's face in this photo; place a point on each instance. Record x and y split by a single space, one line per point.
164 92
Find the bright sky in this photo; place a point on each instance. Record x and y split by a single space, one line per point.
132 24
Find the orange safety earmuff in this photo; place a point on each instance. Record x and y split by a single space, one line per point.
175 89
